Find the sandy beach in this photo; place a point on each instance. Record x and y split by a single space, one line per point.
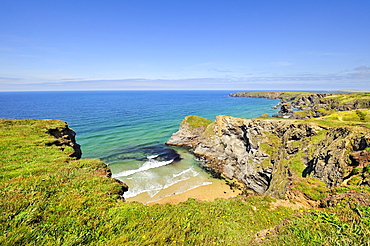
218 189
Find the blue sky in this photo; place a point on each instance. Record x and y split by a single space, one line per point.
184 44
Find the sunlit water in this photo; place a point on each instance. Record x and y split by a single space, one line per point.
128 129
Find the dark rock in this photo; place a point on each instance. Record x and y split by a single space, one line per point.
286 108
66 137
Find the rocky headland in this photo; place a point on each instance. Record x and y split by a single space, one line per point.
304 105
49 196
285 158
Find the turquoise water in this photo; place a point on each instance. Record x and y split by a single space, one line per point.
128 129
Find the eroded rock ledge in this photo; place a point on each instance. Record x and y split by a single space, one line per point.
65 137
266 155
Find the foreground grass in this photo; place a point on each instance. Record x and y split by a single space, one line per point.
339 225
47 198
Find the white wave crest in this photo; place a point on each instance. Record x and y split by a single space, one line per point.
152 187
151 163
187 172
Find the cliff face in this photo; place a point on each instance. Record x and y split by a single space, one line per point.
66 137
265 155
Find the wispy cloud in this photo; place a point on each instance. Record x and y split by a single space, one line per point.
361 72
281 64
8 79
356 78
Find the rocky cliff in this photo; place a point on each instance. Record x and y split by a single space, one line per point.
266 155
65 137
309 105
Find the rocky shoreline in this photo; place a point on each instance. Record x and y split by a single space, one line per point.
304 105
281 157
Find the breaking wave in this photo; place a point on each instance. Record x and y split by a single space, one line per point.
149 164
152 187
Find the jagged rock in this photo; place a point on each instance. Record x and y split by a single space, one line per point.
189 133
263 154
66 137
286 108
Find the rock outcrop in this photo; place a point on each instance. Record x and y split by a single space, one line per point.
66 137
191 128
265 154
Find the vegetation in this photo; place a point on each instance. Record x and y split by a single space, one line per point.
48 198
361 115
345 118
313 104
313 188
196 121
264 116
340 225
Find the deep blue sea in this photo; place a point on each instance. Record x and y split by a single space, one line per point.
128 129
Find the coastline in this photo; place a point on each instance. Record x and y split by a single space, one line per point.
218 189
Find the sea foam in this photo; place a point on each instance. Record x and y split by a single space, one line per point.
153 186
151 163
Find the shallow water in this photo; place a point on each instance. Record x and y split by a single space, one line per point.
128 129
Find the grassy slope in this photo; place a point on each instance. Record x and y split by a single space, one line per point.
50 199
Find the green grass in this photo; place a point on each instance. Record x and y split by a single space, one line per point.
359 117
196 121
335 226
297 165
48 198
313 188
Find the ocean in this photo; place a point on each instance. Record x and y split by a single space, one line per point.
128 129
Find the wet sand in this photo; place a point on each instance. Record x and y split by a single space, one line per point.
218 189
